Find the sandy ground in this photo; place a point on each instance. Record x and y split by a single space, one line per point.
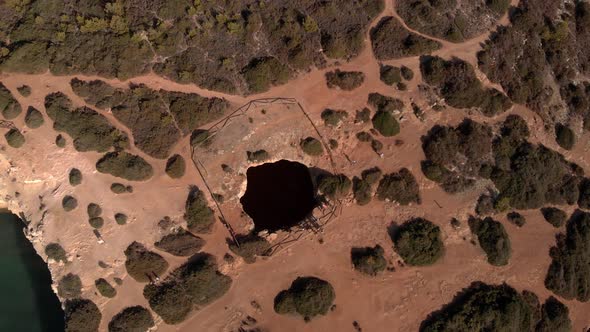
393 301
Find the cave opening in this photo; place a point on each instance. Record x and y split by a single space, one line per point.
278 195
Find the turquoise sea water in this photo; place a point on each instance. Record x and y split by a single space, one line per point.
27 302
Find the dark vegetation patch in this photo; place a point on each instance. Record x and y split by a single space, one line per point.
516 218
332 117
554 216
198 215
180 243
33 118
14 138
263 73
345 80
120 218
364 136
569 273
96 222
119 188
407 73
399 187
564 136
483 307
418 242
307 297
69 286
371 175
493 239
257 156
56 252
542 34
81 315
456 81
136 318
24 90
93 210
390 40
60 141
452 20
333 186
142 264
390 75
362 191
385 123
104 288
125 165
69 203
383 103
368 260
251 246
362 116
175 166
191 286
311 146
9 107
89 130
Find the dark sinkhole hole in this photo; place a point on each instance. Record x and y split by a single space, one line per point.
278 195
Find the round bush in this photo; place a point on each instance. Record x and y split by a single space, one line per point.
118 188
385 123
104 288
390 75
69 203
96 222
81 315
368 260
93 210
121 218
175 166
60 141
69 286
75 177
125 165
556 217
516 218
180 243
33 118
24 90
564 136
142 264
136 319
251 246
12 110
56 252
407 73
14 138
311 146
418 242
307 296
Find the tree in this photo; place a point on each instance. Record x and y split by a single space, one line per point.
419 242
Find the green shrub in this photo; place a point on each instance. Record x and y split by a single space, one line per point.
196 283
364 136
119 188
142 264
9 107
33 118
60 141
565 137
407 73
390 75
93 210
383 103
81 315
483 307
136 318
556 217
371 175
96 222
69 203
125 165
385 124
24 90
334 186
362 116
311 146
361 190
175 166
69 286
120 218
345 80
263 73
257 156
75 177
368 260
516 219
14 138
180 243
198 215
554 317
104 288
251 246
485 205
419 242
400 187
333 118
493 239
56 252
390 40
307 296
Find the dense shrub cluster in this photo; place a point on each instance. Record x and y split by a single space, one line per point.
307 297
69 286
390 75
493 239
81 315
175 166
556 217
263 73
90 131
419 242
119 188
198 215
345 80
385 123
33 118
333 118
334 186
14 138
251 246
24 90
383 103
483 307
311 146
452 20
69 203
56 252
569 273
399 187
390 40
142 264
368 260
136 318
104 288
361 190
194 284
125 165
180 243
9 106
458 84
